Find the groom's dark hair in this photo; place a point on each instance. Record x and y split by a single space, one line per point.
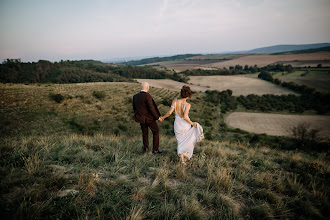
186 92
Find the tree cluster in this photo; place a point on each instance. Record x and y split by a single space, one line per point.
238 69
225 99
202 72
310 98
265 75
268 102
292 103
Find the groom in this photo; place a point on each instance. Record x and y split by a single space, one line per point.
146 113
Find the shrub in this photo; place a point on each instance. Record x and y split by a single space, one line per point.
116 132
255 138
303 134
122 127
266 76
76 126
57 97
99 94
166 102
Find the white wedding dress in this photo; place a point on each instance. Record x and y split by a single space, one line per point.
186 135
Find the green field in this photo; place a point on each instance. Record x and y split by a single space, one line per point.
81 158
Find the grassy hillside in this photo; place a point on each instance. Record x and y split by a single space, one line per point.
288 47
80 157
313 50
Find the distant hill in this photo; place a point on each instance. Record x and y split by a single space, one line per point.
286 48
305 51
159 59
277 49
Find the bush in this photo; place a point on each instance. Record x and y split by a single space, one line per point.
57 97
122 127
83 129
303 134
266 76
166 102
99 94
255 139
116 132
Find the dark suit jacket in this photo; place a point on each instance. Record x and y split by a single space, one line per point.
145 108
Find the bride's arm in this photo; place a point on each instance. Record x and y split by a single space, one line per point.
185 116
170 111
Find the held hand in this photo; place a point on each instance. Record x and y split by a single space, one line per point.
195 124
161 119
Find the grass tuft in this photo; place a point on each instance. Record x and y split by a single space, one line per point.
32 163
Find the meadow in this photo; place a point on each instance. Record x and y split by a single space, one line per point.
72 151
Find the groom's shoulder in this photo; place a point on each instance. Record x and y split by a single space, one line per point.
142 94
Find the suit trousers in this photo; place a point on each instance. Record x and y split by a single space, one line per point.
145 132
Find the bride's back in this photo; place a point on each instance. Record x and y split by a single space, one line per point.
180 107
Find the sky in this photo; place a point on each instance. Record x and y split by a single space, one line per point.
106 29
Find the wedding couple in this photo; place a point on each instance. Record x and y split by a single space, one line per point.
146 113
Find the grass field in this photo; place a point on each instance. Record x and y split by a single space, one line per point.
81 158
277 124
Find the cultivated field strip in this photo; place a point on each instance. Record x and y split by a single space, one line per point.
277 124
261 60
240 85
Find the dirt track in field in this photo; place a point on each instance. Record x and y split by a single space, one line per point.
276 124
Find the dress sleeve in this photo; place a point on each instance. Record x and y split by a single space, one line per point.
173 106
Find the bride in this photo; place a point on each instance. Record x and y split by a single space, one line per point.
186 135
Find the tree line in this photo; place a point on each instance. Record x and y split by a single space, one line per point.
310 98
43 71
238 69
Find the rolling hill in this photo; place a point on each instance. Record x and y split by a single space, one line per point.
82 159
287 47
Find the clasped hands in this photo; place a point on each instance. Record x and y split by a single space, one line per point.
161 119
